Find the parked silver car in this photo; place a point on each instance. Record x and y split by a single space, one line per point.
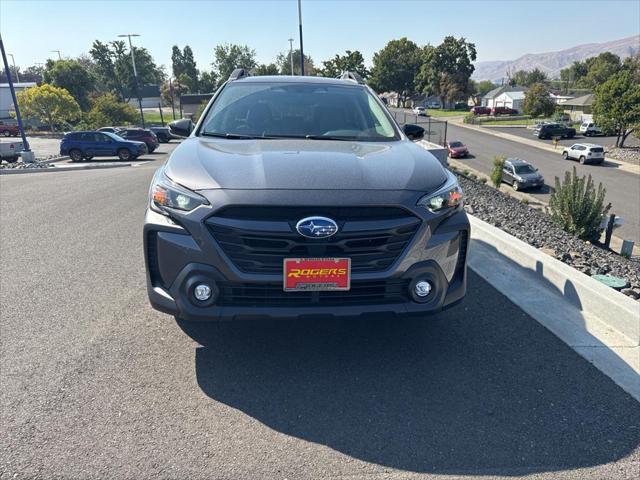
584 153
521 174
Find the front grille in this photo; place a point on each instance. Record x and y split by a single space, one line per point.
257 239
272 295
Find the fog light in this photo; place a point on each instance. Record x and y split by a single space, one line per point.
422 288
202 292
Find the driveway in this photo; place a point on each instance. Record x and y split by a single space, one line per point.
96 384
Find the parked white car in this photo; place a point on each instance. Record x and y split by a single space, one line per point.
434 104
590 129
420 111
584 153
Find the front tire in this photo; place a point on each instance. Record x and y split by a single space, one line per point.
582 160
516 186
565 155
6 133
76 155
124 154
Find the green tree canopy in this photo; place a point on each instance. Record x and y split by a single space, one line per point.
616 105
283 62
591 72
537 101
483 87
349 62
107 109
73 77
229 56
208 82
184 65
266 69
526 78
395 67
51 105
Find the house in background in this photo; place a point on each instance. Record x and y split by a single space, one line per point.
512 99
489 100
6 102
558 99
579 109
150 96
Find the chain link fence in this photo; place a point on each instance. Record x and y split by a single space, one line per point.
435 131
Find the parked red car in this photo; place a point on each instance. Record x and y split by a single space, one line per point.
140 135
481 111
9 130
503 111
457 149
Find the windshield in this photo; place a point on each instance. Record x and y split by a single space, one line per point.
456 144
298 110
524 169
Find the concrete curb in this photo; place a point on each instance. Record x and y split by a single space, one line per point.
55 159
599 323
17 171
625 167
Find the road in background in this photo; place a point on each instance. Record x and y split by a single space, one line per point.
96 384
623 188
599 140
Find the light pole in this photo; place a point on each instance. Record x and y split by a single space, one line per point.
13 60
301 49
291 54
135 72
58 52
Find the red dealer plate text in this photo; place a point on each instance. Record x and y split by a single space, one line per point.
317 274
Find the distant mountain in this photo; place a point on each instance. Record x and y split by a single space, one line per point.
552 62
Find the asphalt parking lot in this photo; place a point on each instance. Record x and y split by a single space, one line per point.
96 384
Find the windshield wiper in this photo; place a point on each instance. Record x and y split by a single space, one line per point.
328 137
235 136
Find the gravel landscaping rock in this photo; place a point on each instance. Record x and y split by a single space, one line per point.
626 154
536 228
21 164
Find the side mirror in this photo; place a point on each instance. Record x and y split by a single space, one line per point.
413 132
181 128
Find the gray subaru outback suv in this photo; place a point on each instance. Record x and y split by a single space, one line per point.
299 196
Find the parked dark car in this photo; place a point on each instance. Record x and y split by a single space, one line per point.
550 130
162 133
140 135
258 213
457 149
86 145
520 174
481 111
9 130
503 111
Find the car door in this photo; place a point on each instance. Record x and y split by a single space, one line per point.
507 174
104 145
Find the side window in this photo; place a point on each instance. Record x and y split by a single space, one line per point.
101 137
86 137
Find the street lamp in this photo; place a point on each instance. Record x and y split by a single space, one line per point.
135 72
291 54
13 60
58 52
301 49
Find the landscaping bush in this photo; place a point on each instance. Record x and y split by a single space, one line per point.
108 110
496 173
577 207
469 118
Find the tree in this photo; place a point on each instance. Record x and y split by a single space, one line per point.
446 69
616 105
178 89
349 62
104 56
229 56
264 69
525 78
107 109
283 63
484 87
73 77
208 82
183 64
48 104
395 67
538 102
591 72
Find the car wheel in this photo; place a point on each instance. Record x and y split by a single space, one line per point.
124 154
516 186
582 160
565 155
6 133
76 155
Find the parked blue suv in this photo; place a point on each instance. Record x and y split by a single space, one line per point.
86 145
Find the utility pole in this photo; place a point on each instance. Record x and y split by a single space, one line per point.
58 52
300 27
13 60
27 154
135 73
291 54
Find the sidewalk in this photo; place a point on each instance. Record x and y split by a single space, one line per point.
623 166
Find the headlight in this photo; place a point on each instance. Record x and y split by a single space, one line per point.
166 194
449 196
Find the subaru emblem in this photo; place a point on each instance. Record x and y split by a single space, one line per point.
317 227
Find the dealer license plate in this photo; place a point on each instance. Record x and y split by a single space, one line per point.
317 274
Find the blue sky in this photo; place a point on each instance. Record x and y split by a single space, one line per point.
501 30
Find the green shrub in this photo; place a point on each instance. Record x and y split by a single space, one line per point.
525 200
473 176
465 172
578 207
496 173
108 110
483 179
469 118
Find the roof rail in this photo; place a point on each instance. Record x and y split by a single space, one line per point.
353 76
239 73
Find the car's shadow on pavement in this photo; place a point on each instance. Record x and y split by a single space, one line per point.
479 388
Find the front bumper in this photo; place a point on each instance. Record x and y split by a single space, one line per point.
183 253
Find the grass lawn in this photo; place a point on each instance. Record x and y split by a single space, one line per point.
154 117
438 112
523 122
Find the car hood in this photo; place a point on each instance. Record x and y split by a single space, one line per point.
300 164
529 176
458 149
